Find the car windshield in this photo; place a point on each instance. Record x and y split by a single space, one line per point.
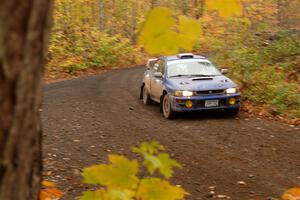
192 67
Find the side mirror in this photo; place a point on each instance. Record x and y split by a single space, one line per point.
224 71
158 75
155 67
148 65
151 62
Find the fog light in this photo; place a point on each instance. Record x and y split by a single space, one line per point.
188 104
232 101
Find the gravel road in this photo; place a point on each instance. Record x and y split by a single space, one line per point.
87 118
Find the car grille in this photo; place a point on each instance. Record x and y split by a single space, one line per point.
210 92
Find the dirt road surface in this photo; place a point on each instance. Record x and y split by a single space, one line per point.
87 118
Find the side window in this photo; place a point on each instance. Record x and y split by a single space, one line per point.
151 63
154 66
161 66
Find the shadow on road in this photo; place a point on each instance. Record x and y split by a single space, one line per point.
193 115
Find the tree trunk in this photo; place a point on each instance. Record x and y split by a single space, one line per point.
134 19
112 17
199 8
24 34
153 4
101 15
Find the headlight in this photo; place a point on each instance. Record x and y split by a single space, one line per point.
231 90
183 93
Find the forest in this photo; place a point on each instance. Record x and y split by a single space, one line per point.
260 43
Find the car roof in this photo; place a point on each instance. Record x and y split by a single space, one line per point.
182 56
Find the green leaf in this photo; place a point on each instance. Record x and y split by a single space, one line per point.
157 189
162 162
154 160
152 163
167 165
152 148
120 173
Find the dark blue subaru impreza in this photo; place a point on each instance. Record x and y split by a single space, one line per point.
188 82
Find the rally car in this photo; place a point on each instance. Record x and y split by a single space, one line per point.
188 82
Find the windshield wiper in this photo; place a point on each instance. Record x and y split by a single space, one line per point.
201 75
192 75
179 75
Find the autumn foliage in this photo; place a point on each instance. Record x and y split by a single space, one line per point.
121 179
149 179
49 191
258 41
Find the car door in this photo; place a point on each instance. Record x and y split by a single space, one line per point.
157 82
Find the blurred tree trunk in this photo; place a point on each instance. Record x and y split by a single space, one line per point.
288 13
199 8
183 6
101 15
279 13
134 21
24 34
153 3
112 17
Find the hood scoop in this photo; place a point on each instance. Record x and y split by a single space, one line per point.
202 79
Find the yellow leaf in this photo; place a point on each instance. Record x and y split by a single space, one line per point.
93 195
292 194
154 160
110 194
225 8
159 34
120 194
155 188
156 35
190 30
167 164
148 147
120 173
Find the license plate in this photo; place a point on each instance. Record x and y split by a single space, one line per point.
211 103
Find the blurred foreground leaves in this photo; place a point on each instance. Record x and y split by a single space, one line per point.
162 35
119 179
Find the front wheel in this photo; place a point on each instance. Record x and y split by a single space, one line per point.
168 113
232 112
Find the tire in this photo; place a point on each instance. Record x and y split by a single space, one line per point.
232 112
146 96
167 111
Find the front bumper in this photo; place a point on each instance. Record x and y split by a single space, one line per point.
198 102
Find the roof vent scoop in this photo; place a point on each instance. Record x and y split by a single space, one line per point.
185 55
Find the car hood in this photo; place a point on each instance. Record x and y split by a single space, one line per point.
202 83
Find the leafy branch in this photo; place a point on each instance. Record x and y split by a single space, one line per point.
119 179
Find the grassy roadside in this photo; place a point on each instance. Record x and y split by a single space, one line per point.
266 66
95 53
